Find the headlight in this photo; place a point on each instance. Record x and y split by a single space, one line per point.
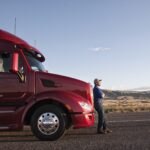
85 106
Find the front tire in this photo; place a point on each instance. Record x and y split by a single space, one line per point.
48 123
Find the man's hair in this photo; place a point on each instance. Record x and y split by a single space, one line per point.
96 80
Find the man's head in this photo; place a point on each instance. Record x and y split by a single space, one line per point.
97 82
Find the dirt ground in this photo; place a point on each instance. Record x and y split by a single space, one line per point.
131 131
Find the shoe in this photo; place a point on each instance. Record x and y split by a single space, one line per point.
101 131
107 130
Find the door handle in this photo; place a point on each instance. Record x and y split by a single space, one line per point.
1 95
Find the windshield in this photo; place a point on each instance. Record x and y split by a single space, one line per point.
34 63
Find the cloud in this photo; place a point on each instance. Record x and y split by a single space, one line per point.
100 49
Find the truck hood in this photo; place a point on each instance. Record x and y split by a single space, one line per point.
54 82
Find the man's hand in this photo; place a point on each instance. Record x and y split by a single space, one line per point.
103 95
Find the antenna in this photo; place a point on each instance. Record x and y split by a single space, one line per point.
35 43
15 26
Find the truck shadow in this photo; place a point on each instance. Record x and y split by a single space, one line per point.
17 137
29 137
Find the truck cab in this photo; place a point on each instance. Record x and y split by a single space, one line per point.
29 95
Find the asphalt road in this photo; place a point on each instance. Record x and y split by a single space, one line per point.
131 131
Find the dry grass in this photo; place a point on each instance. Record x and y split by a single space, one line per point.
127 105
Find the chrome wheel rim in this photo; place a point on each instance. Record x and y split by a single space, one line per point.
48 123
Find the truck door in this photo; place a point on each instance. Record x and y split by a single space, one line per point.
13 93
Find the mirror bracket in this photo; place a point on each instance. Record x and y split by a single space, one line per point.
22 77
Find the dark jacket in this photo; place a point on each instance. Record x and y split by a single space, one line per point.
98 94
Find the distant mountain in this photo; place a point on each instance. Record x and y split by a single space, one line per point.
141 89
126 95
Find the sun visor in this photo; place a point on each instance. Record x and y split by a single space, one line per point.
36 54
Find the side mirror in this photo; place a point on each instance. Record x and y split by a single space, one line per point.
15 61
15 65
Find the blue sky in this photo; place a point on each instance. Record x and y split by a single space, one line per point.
85 39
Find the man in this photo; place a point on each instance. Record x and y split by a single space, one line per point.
98 104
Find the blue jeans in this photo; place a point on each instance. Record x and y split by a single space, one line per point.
101 115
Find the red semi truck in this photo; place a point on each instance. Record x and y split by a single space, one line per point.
29 95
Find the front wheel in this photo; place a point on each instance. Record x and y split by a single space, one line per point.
48 123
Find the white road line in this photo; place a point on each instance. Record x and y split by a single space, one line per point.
119 121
